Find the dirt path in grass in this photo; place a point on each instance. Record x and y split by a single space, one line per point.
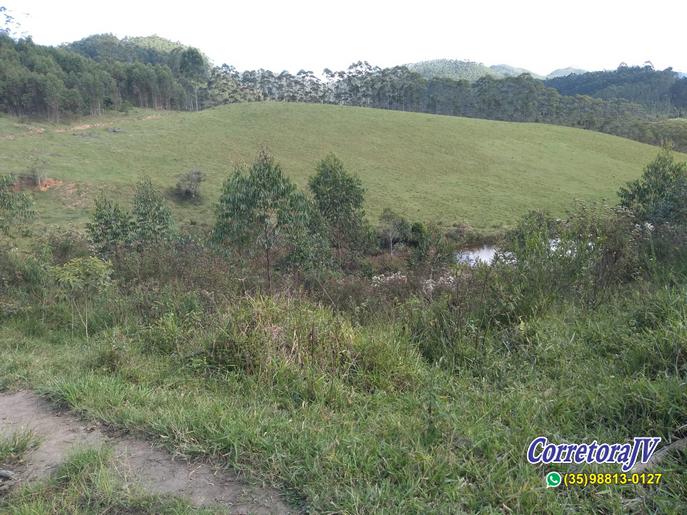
137 461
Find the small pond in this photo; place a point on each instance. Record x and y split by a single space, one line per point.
484 254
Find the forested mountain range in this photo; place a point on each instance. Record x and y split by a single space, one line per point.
464 70
471 70
103 72
661 91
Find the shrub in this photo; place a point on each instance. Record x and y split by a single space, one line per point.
152 219
189 265
62 245
110 227
188 185
16 208
36 172
660 195
339 197
149 222
81 281
431 251
113 351
167 334
263 332
595 247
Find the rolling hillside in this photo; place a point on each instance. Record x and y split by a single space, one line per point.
447 169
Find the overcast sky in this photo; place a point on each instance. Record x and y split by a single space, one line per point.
539 35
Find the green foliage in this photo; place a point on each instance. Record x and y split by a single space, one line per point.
83 277
149 222
660 196
339 198
82 281
109 227
261 211
90 76
264 335
151 217
594 248
166 334
36 171
16 208
61 245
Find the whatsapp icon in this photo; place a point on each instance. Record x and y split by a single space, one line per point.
553 479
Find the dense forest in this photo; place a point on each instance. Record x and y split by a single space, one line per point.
103 72
662 91
94 74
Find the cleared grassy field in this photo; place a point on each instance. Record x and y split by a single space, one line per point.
446 169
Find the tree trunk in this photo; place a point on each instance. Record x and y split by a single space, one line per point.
269 269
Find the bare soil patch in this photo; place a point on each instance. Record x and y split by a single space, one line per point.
137 461
25 182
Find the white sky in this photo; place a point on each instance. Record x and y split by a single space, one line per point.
539 35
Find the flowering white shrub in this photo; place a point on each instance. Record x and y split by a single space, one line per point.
444 282
389 280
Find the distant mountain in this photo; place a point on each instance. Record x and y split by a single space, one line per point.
148 49
564 72
512 71
155 42
453 69
465 70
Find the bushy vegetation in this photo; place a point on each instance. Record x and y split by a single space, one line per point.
188 185
375 383
15 207
659 196
149 222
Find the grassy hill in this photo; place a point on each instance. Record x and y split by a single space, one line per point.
447 169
